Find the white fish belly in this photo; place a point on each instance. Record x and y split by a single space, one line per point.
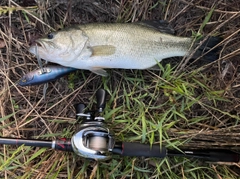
125 58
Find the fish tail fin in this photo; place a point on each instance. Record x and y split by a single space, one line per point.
208 49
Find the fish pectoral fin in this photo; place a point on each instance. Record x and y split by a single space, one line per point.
103 50
99 71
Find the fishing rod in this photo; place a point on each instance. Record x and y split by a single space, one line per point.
95 140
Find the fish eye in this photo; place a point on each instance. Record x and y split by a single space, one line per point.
50 36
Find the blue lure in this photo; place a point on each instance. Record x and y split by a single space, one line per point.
45 75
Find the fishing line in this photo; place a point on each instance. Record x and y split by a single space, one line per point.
39 59
45 87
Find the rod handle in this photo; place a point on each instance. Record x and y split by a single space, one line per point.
134 149
215 155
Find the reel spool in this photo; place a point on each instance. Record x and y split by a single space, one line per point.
98 143
94 142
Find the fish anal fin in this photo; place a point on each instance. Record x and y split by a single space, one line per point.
99 71
103 50
155 68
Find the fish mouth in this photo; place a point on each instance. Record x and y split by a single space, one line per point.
39 43
35 46
45 44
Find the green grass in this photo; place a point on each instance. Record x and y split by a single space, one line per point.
137 111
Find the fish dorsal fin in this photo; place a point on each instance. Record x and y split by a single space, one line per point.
103 50
160 25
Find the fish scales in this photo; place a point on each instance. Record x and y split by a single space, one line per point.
137 46
100 46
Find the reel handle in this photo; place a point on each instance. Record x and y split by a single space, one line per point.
101 99
80 108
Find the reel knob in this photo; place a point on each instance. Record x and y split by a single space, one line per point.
80 108
101 99
81 113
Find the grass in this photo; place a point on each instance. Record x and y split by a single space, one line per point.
190 108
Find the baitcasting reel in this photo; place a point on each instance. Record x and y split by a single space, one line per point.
94 140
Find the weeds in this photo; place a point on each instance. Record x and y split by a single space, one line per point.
7 9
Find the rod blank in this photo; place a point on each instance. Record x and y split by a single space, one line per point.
26 142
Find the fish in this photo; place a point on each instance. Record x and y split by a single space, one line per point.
100 46
45 75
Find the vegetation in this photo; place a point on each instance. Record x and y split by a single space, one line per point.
183 105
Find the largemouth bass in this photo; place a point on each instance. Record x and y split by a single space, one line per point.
100 46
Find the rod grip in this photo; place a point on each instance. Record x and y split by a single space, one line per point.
218 155
134 149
